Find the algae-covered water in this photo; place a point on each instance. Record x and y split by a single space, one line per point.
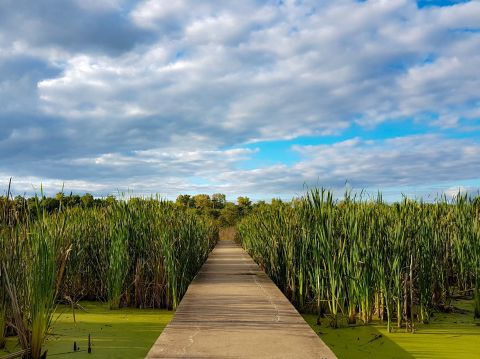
124 333
454 335
129 333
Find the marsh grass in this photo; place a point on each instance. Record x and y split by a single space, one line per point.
358 258
140 253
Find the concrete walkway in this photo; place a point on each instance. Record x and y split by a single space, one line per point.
233 310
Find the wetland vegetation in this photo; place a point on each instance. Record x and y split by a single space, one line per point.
365 273
136 253
399 266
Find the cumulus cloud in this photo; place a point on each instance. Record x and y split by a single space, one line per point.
453 192
428 162
75 26
282 71
167 171
154 94
368 164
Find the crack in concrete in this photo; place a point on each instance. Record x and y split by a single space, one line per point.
267 294
191 340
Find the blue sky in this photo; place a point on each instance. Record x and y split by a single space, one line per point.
263 98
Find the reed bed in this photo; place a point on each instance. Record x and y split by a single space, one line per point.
358 259
138 253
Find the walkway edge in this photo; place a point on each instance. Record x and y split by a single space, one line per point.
233 310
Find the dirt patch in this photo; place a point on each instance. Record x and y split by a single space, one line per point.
227 234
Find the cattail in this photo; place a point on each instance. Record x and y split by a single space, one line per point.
98 252
359 257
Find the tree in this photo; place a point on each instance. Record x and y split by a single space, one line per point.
229 215
33 203
60 196
218 200
202 201
50 204
276 202
244 203
72 200
185 200
259 204
87 200
110 200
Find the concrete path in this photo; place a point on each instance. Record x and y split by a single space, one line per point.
233 310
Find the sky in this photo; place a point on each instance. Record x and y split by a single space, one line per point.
251 97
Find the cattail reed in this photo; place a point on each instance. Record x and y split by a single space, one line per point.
354 258
137 252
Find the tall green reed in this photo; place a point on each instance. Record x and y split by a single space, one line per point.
137 252
358 257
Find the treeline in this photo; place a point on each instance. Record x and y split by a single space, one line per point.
217 207
223 212
19 207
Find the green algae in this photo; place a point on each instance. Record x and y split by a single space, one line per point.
122 333
129 333
448 335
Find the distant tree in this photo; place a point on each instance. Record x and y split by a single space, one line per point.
244 205
60 196
277 202
185 200
98 202
213 213
32 204
73 200
50 204
87 200
260 203
110 200
229 215
202 201
218 200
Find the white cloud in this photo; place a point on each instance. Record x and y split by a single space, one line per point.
151 11
453 192
158 103
279 72
406 162
428 162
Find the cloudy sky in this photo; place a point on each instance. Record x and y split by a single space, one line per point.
263 98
